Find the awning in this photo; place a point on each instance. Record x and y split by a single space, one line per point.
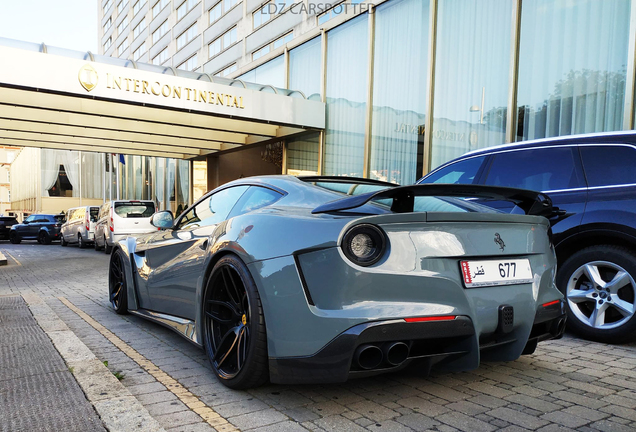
80 101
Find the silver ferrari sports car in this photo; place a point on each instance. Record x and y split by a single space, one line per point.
321 279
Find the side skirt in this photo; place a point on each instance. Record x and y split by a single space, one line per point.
184 327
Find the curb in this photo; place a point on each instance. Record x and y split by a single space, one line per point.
3 260
118 409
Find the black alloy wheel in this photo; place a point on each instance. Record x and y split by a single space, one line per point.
14 238
117 288
44 238
234 326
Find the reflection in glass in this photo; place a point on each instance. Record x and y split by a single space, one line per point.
183 185
399 90
92 175
471 76
346 97
272 73
304 68
572 67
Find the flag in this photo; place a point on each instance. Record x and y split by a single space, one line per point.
121 159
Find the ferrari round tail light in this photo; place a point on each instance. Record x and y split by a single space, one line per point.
364 244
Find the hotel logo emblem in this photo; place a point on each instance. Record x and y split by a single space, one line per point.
88 77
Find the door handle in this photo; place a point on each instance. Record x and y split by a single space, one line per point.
204 245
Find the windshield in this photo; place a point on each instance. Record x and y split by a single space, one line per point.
134 209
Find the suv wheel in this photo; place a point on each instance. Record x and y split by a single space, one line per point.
14 238
44 238
80 242
600 288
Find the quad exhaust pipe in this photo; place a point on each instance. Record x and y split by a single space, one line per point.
371 357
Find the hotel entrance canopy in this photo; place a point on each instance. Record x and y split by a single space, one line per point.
60 99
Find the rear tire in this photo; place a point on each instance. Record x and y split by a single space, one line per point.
95 245
14 238
235 338
44 238
62 241
599 284
80 242
117 284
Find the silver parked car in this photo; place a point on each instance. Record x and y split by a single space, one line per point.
122 218
321 279
79 226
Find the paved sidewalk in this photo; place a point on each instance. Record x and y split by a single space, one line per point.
37 391
567 385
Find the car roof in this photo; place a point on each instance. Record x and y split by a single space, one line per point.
621 137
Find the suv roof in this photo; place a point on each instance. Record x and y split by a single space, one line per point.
596 138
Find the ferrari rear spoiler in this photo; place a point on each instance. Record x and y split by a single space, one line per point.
531 202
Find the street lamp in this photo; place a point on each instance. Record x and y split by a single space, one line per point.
477 108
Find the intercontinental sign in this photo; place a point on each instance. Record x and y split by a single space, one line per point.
89 78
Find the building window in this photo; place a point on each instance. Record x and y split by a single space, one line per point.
222 43
268 11
140 27
122 47
187 36
304 68
228 70
564 89
190 64
107 6
161 57
229 4
121 5
158 34
272 73
473 111
108 43
272 46
139 51
185 7
108 23
158 7
137 6
334 12
122 25
216 12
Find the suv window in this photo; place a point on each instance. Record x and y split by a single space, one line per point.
255 198
462 172
30 218
609 165
540 169
213 209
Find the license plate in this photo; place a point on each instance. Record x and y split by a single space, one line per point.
496 272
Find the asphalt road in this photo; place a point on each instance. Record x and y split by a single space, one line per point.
568 384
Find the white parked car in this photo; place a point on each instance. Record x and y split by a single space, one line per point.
120 219
79 226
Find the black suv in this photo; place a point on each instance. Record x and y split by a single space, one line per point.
41 227
592 179
6 222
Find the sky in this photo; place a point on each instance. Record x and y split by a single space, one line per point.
68 24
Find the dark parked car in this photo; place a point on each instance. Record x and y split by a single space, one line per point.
41 227
592 180
318 279
6 222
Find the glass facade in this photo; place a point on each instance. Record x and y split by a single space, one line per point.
572 67
569 70
346 97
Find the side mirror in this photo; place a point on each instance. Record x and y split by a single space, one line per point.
162 220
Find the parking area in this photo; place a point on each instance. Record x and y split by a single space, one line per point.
569 384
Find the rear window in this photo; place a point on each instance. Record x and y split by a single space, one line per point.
94 213
609 165
58 218
134 209
8 221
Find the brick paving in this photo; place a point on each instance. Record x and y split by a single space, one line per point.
566 385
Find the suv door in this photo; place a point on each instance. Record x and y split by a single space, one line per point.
555 170
25 229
